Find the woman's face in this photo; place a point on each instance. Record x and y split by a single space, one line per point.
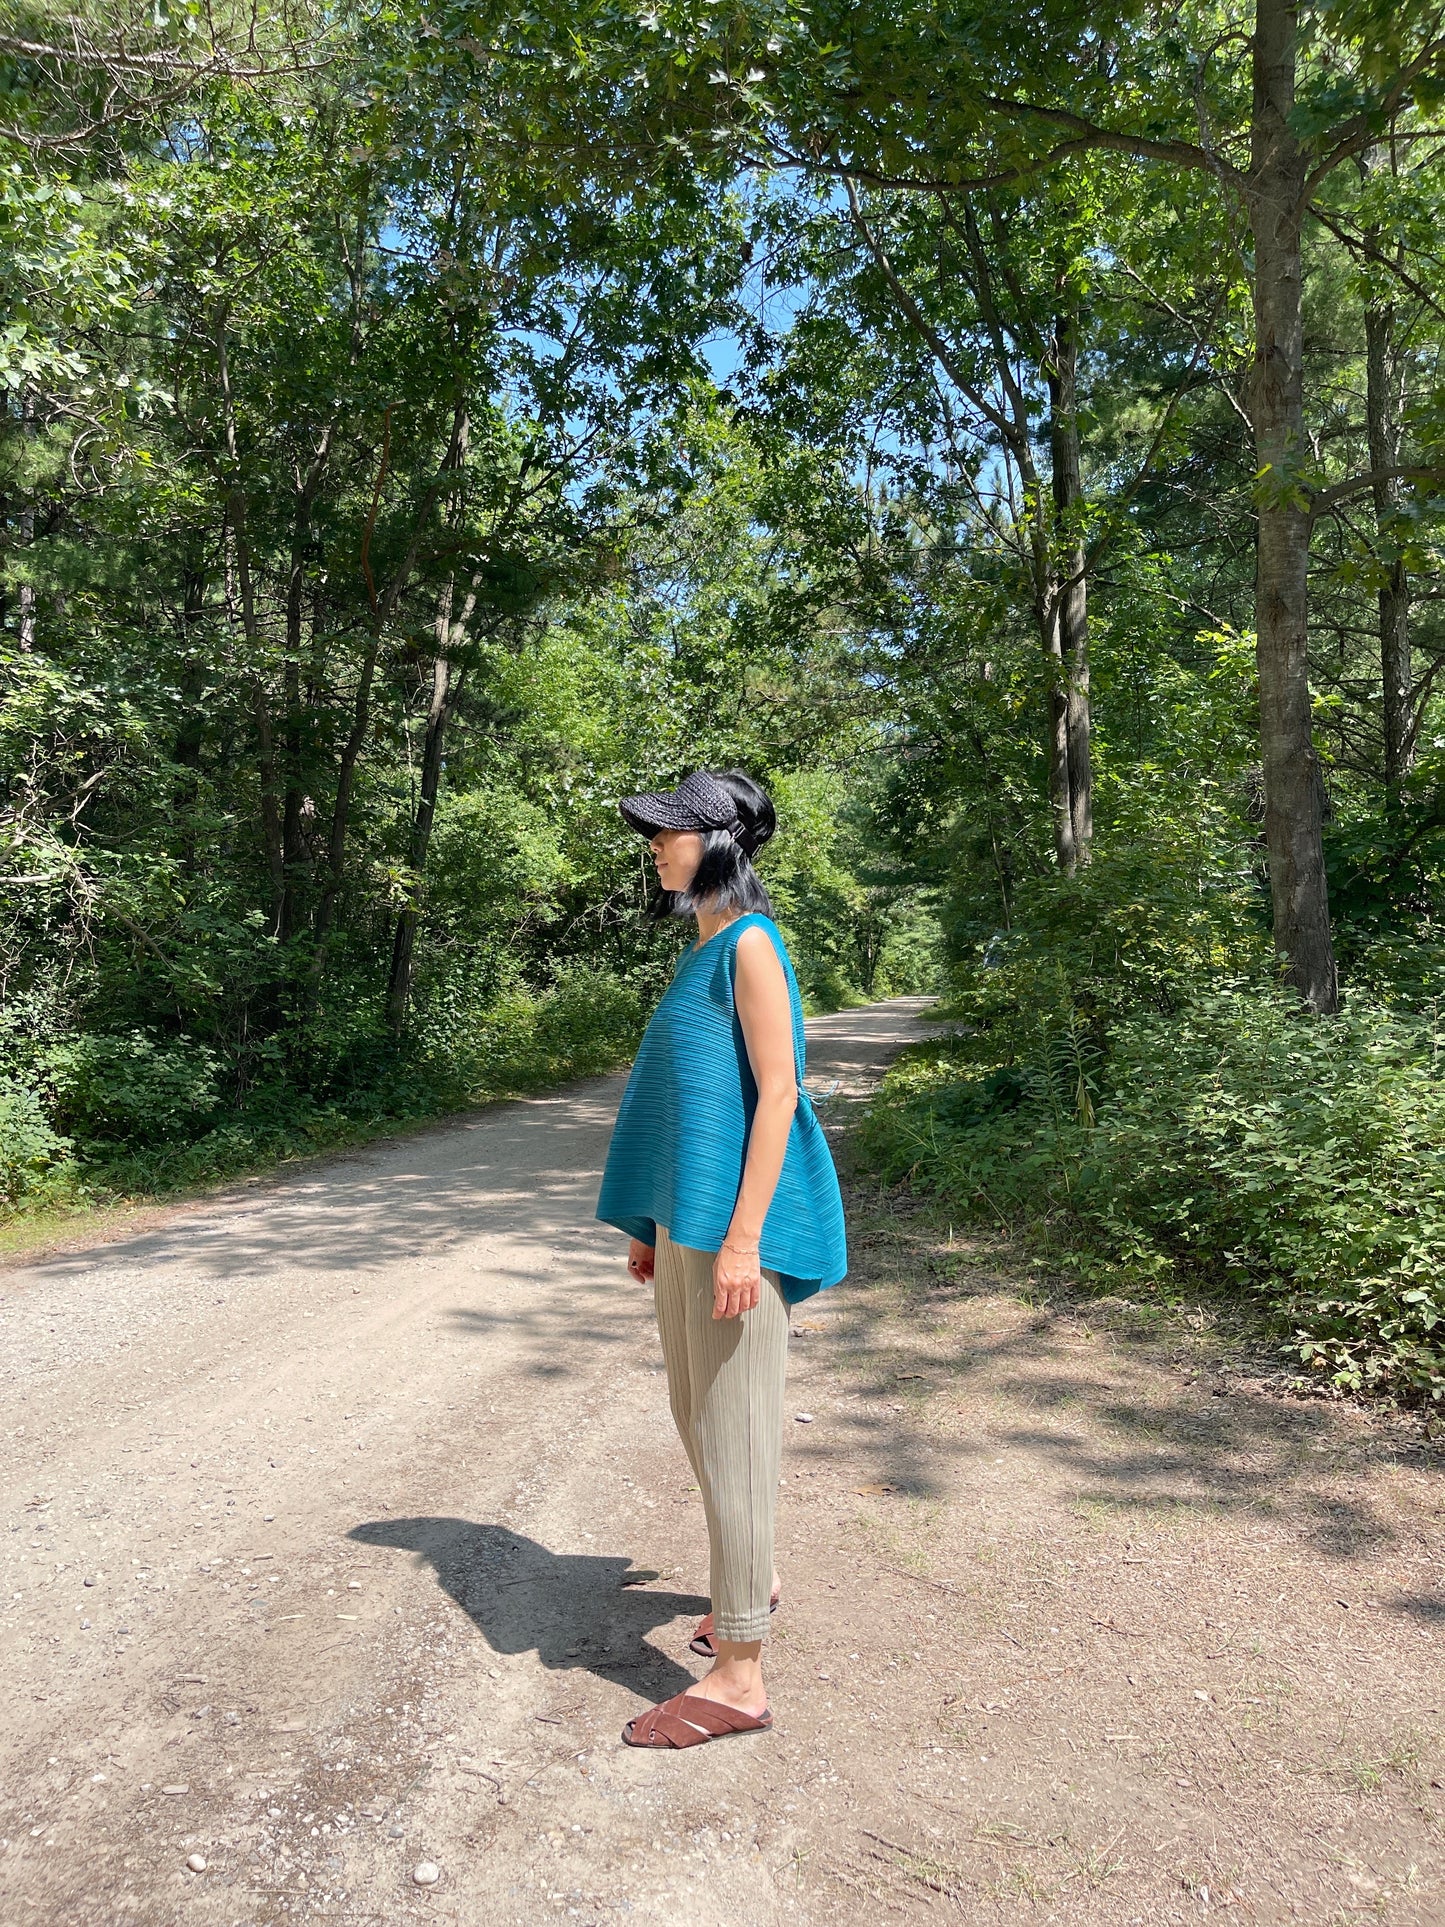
677 854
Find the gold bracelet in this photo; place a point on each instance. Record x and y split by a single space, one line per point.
743 1251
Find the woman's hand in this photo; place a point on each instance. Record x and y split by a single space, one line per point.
640 1261
737 1282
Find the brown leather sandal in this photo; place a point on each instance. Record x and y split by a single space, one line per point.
688 1720
704 1643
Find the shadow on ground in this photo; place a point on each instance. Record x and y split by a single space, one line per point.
926 1330
576 1611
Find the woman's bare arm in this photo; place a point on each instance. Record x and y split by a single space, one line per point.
766 1016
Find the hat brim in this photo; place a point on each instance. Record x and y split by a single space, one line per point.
649 814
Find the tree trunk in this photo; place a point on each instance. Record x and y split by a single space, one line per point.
345 783
1066 850
1293 791
382 608
251 628
26 596
1072 593
270 813
1048 615
446 686
293 837
1396 667
260 713
293 842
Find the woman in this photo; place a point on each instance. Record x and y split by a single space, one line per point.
719 1173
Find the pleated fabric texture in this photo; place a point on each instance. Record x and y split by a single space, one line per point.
680 1141
725 1381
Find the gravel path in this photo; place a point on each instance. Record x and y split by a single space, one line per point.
318 1502
346 1526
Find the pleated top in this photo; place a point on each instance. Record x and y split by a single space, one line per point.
681 1136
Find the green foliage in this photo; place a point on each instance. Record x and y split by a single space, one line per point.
405 452
132 1089
859 925
34 1159
148 1117
369 521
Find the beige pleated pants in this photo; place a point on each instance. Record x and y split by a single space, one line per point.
725 1378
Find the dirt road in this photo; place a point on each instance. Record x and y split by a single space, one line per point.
320 1501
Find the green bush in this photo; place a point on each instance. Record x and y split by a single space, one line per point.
133 1089
474 1042
590 1022
1238 1138
32 1155
164 1129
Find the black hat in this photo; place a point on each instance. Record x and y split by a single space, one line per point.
698 803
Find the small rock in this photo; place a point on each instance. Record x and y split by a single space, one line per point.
87 1582
123 1632
426 1873
197 1863
85 1625
175 1789
803 1418
268 1517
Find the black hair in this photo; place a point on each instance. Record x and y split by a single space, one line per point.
725 879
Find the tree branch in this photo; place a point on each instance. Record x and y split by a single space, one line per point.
1326 499
920 322
1362 245
1090 134
1364 129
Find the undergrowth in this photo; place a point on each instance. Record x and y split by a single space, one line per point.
1234 1141
102 1119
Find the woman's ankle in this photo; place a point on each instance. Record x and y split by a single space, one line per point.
738 1679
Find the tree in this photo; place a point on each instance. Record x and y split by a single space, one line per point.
1011 336
918 102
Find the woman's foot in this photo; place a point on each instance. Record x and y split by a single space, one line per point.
704 1643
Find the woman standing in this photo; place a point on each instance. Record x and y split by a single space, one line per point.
719 1173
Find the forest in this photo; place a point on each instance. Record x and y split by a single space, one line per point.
1015 434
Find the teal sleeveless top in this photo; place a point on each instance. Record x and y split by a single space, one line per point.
677 1150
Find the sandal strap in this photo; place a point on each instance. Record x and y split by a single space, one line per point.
688 1720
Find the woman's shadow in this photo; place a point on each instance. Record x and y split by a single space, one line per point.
575 1609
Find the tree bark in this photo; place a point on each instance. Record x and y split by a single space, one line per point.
1293 790
1047 603
1383 424
446 687
293 841
270 813
345 783
383 607
1072 593
26 596
271 836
